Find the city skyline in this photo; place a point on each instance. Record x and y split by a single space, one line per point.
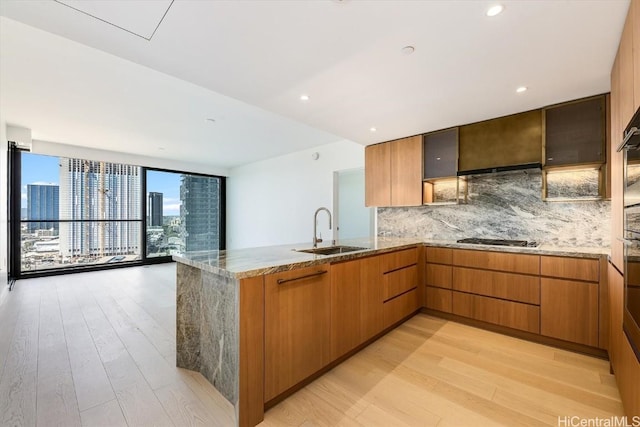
39 169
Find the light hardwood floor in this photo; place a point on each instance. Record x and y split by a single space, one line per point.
98 349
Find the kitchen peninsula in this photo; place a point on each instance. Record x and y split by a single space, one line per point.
260 323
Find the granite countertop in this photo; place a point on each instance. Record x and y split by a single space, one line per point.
244 263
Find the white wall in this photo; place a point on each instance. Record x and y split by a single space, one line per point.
3 209
272 202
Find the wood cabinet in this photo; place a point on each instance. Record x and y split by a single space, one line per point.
406 171
297 326
507 286
556 296
399 282
345 307
441 154
393 173
377 171
570 299
616 170
569 310
634 12
371 304
438 279
505 141
570 268
575 132
511 314
500 261
628 75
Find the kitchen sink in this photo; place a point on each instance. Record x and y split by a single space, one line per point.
331 250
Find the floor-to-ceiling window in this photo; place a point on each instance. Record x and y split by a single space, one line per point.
79 214
184 213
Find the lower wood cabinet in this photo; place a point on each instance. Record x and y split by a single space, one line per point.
556 296
297 326
345 307
525 317
569 310
509 286
400 307
438 299
371 316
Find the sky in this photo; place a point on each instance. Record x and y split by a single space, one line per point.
40 169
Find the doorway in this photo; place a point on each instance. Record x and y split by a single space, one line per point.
353 219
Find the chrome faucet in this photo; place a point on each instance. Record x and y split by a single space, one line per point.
317 240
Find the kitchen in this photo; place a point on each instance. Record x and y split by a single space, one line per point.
433 220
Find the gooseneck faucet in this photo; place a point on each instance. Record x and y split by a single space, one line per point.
317 240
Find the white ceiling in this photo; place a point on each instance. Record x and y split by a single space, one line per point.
246 63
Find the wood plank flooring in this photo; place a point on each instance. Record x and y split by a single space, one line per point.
98 349
432 372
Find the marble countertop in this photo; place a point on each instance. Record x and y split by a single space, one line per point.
243 263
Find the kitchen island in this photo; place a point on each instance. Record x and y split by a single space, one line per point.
225 327
220 313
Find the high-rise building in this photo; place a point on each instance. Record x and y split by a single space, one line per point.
103 201
200 212
154 206
42 203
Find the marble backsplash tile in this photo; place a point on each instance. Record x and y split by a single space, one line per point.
506 205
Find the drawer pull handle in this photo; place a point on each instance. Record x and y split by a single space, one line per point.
317 273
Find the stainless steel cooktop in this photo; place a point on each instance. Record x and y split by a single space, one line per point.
497 242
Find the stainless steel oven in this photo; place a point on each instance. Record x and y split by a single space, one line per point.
631 316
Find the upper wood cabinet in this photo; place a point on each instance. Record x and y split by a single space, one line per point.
505 141
377 169
393 173
635 25
627 74
441 154
575 132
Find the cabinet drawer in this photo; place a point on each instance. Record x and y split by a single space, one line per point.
399 259
505 313
438 299
569 310
500 261
515 287
400 307
439 255
399 281
439 275
570 268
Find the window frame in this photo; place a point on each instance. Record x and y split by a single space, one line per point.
15 221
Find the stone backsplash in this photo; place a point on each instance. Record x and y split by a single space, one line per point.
505 205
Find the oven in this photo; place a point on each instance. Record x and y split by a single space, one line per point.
631 197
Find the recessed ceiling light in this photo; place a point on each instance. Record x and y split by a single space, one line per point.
408 50
373 129
161 148
304 97
522 89
211 120
495 10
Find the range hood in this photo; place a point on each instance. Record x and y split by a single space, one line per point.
631 140
501 169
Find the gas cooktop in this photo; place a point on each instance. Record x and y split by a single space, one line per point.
497 242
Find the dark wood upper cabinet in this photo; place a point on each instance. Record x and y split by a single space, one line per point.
441 154
575 132
506 141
